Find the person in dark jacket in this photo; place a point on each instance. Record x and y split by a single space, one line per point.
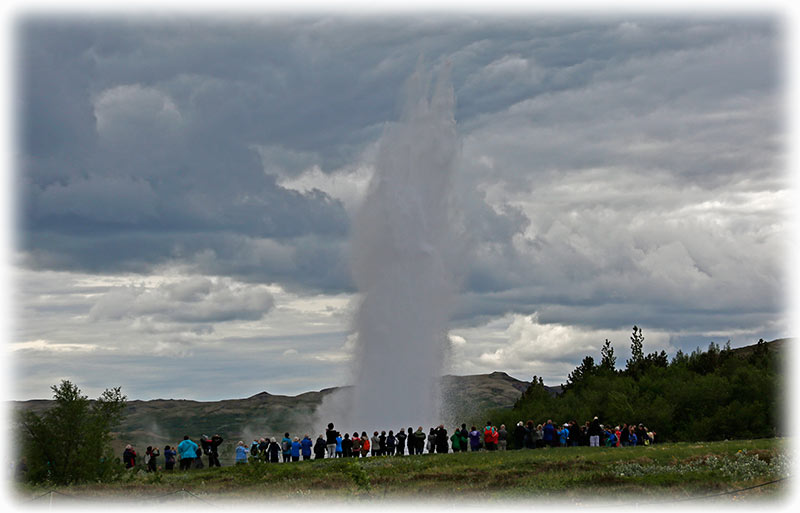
319 448
347 446
441 440
474 439
170 455
274 450
624 432
519 436
330 437
382 444
263 447
129 456
151 457
213 451
419 440
401 442
594 433
411 441
391 443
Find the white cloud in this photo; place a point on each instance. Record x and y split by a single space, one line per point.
47 346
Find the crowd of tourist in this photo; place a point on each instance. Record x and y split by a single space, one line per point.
334 444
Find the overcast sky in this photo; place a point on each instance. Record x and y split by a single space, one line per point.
186 185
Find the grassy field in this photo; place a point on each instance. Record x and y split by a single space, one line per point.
664 472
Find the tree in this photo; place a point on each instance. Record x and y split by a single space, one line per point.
608 361
633 366
70 442
584 370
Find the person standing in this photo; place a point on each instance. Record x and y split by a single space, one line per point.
213 451
356 445
502 438
187 450
274 451
391 443
549 434
129 456
401 442
474 439
411 442
338 445
319 448
419 440
295 449
489 433
169 457
305 446
241 453
286 448
347 446
365 444
151 456
330 437
375 443
594 433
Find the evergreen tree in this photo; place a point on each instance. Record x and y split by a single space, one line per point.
634 365
608 361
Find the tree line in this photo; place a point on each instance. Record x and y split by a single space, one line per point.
716 394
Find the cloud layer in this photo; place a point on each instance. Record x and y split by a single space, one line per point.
179 179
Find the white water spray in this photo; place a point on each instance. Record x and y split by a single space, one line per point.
401 266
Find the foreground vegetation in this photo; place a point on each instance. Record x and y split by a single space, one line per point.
624 475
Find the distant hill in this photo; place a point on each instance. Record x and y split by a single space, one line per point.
164 421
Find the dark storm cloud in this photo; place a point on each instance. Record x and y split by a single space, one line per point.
164 141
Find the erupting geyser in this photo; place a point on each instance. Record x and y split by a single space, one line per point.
401 266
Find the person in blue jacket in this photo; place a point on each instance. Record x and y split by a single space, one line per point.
338 445
563 435
295 449
305 446
188 452
241 453
548 433
286 447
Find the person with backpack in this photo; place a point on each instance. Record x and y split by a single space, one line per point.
489 437
356 445
254 448
150 458
365 444
286 448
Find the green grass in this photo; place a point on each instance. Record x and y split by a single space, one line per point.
661 472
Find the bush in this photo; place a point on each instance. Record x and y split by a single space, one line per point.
70 442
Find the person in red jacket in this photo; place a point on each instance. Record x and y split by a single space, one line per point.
490 437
